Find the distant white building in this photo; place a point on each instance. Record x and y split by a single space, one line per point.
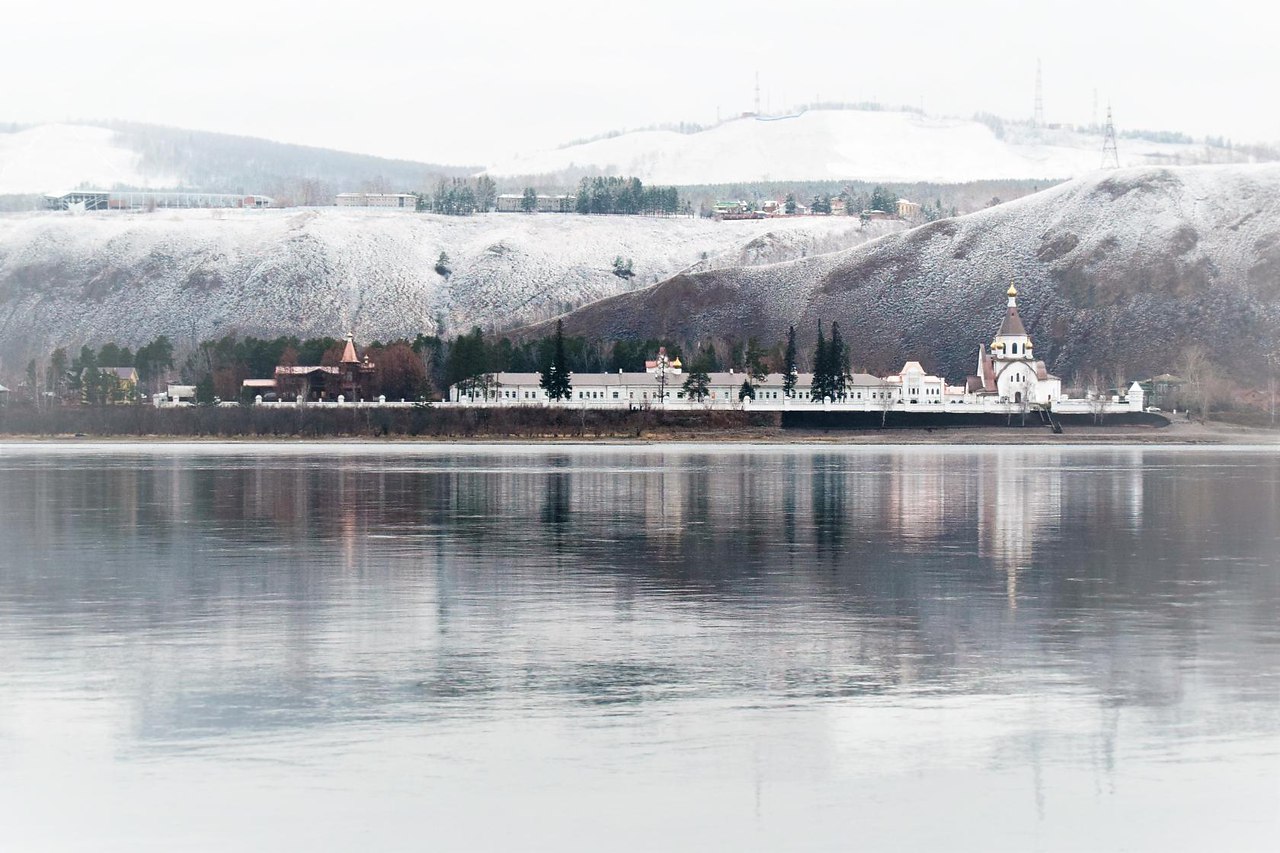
908 209
913 384
176 395
638 390
514 203
80 201
398 201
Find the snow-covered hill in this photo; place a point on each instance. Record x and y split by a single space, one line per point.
52 158
197 274
58 157
1120 269
846 145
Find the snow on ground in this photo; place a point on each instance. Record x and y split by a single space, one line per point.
845 145
196 274
58 157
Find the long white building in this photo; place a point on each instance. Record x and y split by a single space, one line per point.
632 390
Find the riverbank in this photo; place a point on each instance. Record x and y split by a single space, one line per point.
134 424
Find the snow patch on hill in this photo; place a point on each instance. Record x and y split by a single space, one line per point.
59 157
197 274
845 145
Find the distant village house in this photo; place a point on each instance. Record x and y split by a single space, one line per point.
514 203
397 201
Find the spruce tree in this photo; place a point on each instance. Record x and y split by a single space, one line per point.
697 384
555 379
821 387
754 362
789 368
838 364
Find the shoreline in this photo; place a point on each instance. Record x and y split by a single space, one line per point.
1189 434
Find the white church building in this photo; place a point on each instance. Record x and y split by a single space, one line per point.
1009 369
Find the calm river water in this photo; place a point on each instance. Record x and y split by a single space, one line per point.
404 647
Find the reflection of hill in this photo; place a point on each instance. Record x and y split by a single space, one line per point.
404 578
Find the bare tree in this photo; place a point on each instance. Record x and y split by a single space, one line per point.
1096 395
1200 378
1273 367
1022 398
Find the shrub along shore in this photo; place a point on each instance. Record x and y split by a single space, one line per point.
530 424
366 422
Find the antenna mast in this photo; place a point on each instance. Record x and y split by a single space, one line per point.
1038 117
757 93
1110 157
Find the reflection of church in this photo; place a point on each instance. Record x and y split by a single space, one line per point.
1019 495
1008 369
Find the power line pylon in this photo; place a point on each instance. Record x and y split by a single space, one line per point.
1037 118
1110 156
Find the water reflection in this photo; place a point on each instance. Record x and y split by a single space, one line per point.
1043 607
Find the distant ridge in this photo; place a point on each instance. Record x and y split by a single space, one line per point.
116 154
896 146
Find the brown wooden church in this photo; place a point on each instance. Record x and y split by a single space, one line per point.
352 379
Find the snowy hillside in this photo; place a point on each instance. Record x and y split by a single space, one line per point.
67 280
1116 269
59 157
52 158
845 145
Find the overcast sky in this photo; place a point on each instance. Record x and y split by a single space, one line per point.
474 81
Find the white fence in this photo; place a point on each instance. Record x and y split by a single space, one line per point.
971 405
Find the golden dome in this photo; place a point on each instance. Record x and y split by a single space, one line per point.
1012 291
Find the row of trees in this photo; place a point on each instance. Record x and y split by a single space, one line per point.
90 376
461 196
831 370
602 195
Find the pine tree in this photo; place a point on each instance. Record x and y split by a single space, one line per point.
57 374
837 364
754 362
529 201
555 379
821 388
746 390
698 384
789 367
